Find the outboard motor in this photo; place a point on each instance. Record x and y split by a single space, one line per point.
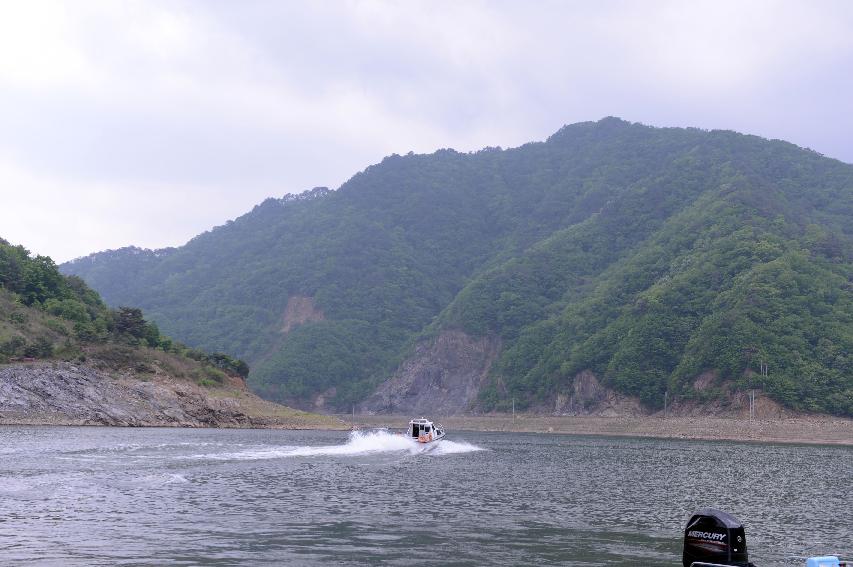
716 538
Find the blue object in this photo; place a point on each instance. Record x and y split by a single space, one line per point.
825 561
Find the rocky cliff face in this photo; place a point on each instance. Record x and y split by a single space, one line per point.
67 394
588 397
443 377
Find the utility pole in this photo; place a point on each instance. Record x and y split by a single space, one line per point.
751 400
762 368
513 408
665 402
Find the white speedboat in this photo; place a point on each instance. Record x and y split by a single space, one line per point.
424 431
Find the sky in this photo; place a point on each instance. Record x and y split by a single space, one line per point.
146 123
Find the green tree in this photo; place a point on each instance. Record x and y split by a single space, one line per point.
129 321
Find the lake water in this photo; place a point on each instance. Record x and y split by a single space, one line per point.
108 496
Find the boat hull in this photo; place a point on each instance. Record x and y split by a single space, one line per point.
426 439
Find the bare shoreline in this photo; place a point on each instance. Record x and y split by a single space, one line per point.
820 430
811 430
60 393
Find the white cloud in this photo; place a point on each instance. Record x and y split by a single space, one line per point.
64 220
109 110
37 47
718 46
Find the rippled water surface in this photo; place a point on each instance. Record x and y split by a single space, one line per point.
105 496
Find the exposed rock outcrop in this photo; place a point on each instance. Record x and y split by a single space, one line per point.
67 394
732 404
443 377
588 397
704 381
299 310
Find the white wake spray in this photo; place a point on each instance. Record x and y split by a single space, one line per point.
360 443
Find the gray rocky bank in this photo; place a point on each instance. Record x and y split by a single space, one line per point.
68 394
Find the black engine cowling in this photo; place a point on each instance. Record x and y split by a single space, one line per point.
713 536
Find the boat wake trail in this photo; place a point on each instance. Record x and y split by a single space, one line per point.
360 443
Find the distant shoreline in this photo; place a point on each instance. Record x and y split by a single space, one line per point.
811 430
820 430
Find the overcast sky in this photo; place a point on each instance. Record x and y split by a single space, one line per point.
148 122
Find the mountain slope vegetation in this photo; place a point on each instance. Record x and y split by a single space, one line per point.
46 316
647 256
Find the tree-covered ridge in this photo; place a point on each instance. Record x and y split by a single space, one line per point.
614 247
46 315
701 295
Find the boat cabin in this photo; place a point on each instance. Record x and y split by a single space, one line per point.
424 430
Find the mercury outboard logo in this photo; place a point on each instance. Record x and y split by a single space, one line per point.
706 535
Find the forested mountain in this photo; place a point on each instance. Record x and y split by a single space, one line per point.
68 359
646 256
